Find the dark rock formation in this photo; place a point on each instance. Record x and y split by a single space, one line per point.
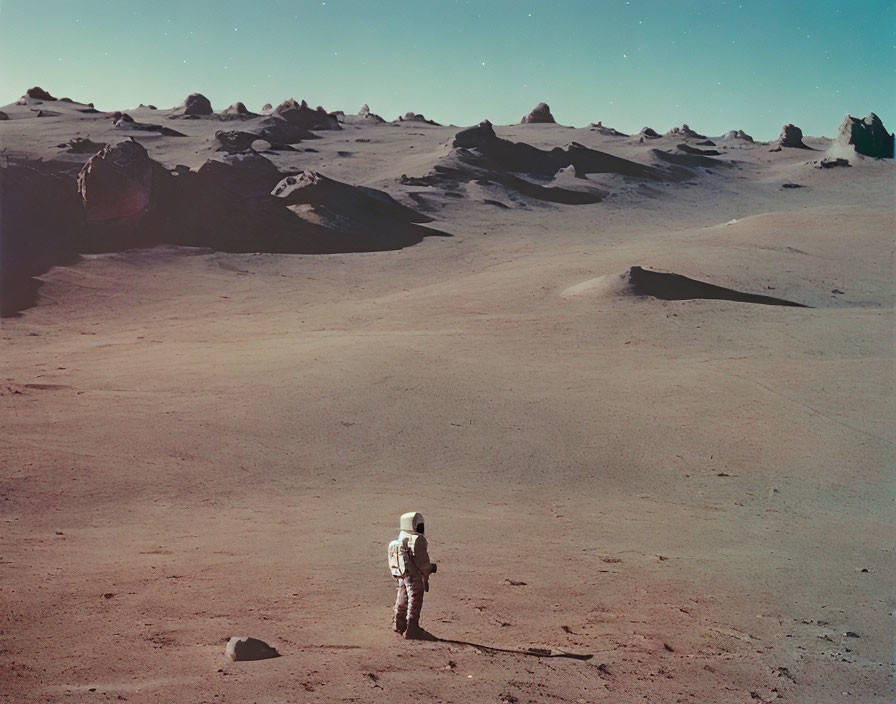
791 136
867 136
38 93
266 107
123 121
235 140
502 154
300 115
197 104
237 111
648 133
116 189
82 145
278 131
40 215
3 115
417 117
541 113
831 163
247 648
606 131
684 132
520 169
688 161
688 149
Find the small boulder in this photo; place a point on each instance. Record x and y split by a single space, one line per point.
648 133
831 163
267 107
867 136
38 93
197 104
541 113
791 136
3 115
247 648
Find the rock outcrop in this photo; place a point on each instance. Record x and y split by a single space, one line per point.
541 113
237 111
197 104
276 130
791 136
737 134
116 183
867 136
684 132
247 648
38 93
606 131
417 117
40 217
648 133
235 140
81 145
300 115
365 113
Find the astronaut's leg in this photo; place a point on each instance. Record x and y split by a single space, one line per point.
415 605
399 621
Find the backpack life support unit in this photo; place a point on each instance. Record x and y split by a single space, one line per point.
401 555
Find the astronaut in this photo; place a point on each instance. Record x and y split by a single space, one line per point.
410 565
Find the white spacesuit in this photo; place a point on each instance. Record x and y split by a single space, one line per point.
410 565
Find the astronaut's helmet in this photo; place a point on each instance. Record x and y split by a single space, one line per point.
412 522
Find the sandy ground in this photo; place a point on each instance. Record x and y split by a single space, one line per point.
698 493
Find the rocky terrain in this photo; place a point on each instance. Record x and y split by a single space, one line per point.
641 387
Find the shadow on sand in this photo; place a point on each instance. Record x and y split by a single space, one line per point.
531 652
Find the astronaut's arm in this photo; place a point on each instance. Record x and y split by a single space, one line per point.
421 557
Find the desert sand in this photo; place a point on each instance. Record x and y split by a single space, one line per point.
213 418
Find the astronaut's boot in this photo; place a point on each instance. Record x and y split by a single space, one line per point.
413 631
399 626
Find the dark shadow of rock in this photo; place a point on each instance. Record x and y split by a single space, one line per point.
35 237
675 287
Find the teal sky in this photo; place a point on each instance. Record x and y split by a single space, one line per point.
716 65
